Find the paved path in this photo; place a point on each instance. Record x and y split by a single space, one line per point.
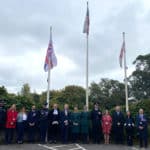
67 147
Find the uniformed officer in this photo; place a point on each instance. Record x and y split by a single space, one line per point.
65 123
32 121
54 117
129 127
43 123
85 119
118 124
96 117
141 121
75 121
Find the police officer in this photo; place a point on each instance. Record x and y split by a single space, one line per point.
96 117
129 127
65 123
118 124
2 117
43 122
141 121
54 117
32 121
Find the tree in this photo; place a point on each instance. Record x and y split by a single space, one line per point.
74 96
107 92
3 91
140 78
25 90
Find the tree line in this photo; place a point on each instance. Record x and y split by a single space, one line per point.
107 92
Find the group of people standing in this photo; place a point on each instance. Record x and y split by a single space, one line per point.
53 125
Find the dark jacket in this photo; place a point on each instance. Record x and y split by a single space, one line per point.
33 117
54 117
96 117
43 117
143 123
85 121
118 120
129 125
2 117
75 122
64 117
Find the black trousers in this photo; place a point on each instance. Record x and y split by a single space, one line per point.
118 135
97 133
143 139
64 133
129 140
31 133
9 133
84 138
20 131
43 130
53 132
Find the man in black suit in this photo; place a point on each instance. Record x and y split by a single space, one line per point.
65 123
96 117
118 124
54 126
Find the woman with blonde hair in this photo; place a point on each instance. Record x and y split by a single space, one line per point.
10 123
106 126
21 123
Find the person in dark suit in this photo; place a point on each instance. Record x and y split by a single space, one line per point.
129 128
118 125
54 117
141 121
65 123
32 122
2 118
96 117
43 123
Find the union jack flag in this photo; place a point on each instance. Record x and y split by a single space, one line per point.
86 22
50 59
122 53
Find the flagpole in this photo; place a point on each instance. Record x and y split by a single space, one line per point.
125 75
49 74
87 71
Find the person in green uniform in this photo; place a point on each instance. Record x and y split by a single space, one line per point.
75 128
85 118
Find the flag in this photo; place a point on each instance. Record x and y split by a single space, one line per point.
86 22
122 53
50 59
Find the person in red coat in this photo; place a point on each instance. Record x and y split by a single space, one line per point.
106 126
10 123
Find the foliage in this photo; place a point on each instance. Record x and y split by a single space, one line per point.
140 78
107 92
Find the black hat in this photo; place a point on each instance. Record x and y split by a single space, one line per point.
45 104
96 103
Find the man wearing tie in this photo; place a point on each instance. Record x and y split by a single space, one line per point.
118 124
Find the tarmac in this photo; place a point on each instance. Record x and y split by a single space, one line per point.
67 147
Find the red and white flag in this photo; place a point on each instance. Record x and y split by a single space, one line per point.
122 53
86 22
50 59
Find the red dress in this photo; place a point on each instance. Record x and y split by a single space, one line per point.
106 124
11 119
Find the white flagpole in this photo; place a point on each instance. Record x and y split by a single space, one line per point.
87 66
48 79
87 71
125 75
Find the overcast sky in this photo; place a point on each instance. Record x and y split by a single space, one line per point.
24 36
